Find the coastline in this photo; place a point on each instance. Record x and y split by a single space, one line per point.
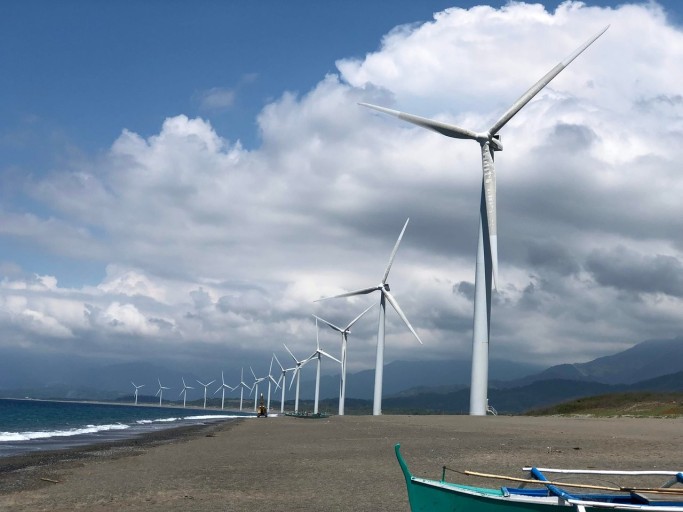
35 469
336 463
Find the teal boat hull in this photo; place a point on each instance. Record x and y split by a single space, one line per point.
427 495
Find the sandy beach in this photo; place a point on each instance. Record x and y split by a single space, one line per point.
340 463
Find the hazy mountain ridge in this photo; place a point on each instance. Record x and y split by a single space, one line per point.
437 386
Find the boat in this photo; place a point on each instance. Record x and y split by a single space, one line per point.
439 495
309 415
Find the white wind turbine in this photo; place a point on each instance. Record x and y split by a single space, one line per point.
271 380
184 391
385 295
318 354
205 386
223 387
344 335
283 378
243 385
161 391
487 247
297 374
254 386
136 390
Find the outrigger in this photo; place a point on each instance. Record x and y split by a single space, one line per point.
439 495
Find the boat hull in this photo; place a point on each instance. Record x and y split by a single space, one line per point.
427 495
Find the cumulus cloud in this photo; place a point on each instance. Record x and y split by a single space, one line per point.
203 243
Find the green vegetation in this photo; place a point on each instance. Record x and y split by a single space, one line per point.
639 404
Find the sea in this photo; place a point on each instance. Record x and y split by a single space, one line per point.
29 425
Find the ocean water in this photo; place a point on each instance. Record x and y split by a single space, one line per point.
43 425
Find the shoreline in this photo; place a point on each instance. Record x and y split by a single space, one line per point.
336 463
32 470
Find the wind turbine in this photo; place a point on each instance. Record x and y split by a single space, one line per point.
385 295
223 386
283 378
297 373
257 381
344 335
487 247
242 385
318 355
271 380
136 390
205 386
184 391
161 391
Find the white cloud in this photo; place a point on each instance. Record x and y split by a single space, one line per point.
205 242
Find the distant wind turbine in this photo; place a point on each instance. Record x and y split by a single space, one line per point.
296 375
223 387
385 295
487 250
254 386
161 391
184 391
205 386
136 390
344 335
243 385
271 380
317 355
283 378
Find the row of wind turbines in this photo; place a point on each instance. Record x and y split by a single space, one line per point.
384 297
486 273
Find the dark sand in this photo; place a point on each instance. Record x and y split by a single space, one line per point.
340 463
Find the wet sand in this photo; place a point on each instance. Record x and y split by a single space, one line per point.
340 463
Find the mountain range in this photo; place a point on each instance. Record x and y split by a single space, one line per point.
419 386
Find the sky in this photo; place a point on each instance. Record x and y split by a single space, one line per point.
182 180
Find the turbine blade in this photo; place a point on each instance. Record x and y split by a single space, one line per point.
357 318
536 88
362 291
393 253
291 383
489 185
252 372
290 353
398 310
278 363
328 355
448 130
329 323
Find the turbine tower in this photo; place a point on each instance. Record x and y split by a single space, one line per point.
385 295
283 378
205 386
136 390
344 335
318 356
184 391
271 380
297 374
242 385
487 247
257 381
223 387
161 391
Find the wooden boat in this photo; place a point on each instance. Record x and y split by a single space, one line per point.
308 415
439 495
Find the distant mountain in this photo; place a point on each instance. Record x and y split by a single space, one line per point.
400 376
437 386
646 360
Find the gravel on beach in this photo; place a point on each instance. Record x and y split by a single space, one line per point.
336 463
